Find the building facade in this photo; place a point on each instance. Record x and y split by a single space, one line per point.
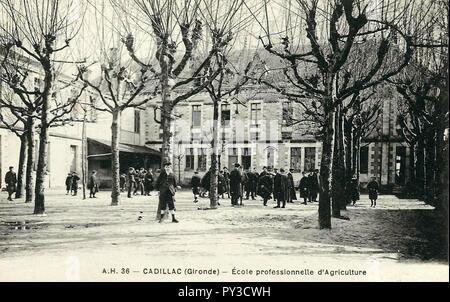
263 129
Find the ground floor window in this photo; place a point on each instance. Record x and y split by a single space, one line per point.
310 158
246 158
202 159
232 157
296 159
364 160
189 159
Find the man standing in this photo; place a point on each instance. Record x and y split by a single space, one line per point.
303 187
131 180
314 186
235 184
166 185
93 185
195 184
373 188
249 185
139 179
280 188
226 177
148 182
291 196
11 182
75 180
260 176
265 184
69 183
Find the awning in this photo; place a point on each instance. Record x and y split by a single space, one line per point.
104 148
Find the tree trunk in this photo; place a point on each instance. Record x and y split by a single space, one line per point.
349 154
430 149
22 165
327 157
419 167
31 132
115 154
41 171
338 168
213 193
166 121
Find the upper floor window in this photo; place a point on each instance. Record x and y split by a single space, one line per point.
137 121
287 112
196 116
226 115
255 113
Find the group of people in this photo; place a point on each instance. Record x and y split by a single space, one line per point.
272 183
72 180
137 181
242 184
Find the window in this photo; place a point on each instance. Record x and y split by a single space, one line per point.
364 160
202 159
226 115
255 113
310 158
137 121
73 158
189 159
196 116
287 112
296 159
254 136
232 157
246 158
105 164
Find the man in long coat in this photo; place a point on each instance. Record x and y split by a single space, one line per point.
11 182
280 188
291 196
314 186
303 187
166 185
265 184
235 184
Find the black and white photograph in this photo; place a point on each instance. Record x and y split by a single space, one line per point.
224 141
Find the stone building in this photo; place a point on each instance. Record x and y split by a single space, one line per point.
255 132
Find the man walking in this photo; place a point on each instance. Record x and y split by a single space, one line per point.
235 184
166 185
11 182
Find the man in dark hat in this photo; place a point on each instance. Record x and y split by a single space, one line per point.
69 183
291 196
11 182
314 185
235 184
167 185
280 188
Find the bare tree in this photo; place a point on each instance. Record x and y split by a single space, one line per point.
119 84
41 31
319 68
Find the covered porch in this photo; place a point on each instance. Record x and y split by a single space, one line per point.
99 159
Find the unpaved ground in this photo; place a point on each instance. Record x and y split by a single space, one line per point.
81 239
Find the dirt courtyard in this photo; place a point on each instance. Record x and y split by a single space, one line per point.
90 240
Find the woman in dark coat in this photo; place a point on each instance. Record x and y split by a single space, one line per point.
373 188
352 190
303 187
166 185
